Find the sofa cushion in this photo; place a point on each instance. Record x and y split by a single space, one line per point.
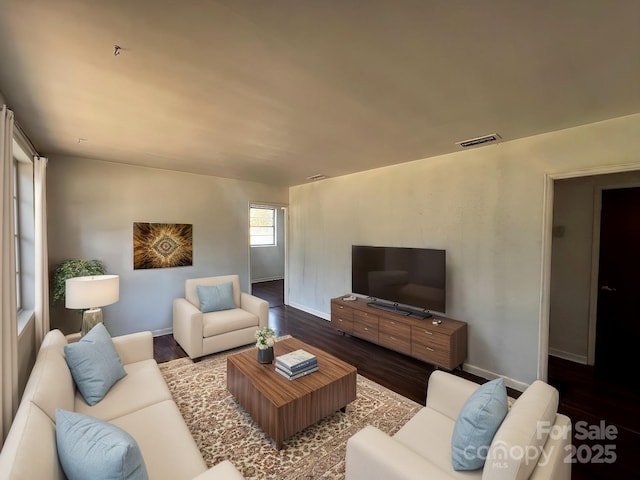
428 434
518 442
29 451
216 323
91 448
214 298
94 364
477 423
50 384
142 386
169 450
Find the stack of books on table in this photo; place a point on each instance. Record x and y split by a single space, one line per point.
296 364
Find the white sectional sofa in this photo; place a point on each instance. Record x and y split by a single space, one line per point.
532 442
140 403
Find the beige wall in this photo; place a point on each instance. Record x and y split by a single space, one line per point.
92 206
484 206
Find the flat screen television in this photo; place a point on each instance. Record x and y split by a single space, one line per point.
398 277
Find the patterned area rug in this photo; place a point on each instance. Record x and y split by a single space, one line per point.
223 430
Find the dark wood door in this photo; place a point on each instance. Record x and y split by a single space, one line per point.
618 316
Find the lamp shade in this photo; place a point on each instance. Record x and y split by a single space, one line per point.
92 291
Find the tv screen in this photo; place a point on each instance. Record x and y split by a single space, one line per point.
408 276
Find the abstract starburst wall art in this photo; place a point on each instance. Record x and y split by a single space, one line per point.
162 245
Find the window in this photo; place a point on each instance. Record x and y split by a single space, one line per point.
262 226
24 234
16 236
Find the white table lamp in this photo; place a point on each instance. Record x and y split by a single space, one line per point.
91 292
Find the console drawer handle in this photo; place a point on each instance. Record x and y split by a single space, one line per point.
429 348
428 332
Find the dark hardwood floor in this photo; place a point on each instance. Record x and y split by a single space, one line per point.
598 405
582 396
271 291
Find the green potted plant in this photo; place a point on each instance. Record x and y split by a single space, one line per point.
71 269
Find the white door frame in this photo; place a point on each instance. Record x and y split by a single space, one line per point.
547 226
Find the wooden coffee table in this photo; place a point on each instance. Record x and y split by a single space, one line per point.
283 407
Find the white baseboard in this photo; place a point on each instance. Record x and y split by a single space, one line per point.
267 279
572 357
317 313
489 375
162 331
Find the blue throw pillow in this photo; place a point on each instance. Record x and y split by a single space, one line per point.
214 298
91 448
477 424
94 363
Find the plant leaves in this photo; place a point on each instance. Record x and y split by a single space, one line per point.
71 269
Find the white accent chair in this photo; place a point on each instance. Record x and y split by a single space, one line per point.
421 449
202 334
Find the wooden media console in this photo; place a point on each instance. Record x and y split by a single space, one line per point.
443 344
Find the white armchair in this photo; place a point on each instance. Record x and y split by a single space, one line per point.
421 449
202 334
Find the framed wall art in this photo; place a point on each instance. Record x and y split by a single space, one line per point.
162 245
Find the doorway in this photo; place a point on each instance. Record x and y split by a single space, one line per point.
576 296
587 355
268 260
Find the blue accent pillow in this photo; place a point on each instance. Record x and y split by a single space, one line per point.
91 448
94 363
214 298
476 425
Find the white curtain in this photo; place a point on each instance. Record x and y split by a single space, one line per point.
42 259
8 315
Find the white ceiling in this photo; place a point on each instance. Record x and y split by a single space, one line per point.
275 91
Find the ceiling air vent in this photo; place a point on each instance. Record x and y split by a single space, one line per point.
318 176
485 139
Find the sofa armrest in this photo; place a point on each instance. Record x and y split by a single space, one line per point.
553 464
257 306
134 347
223 470
188 327
371 453
447 393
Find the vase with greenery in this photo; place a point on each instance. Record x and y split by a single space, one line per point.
72 269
